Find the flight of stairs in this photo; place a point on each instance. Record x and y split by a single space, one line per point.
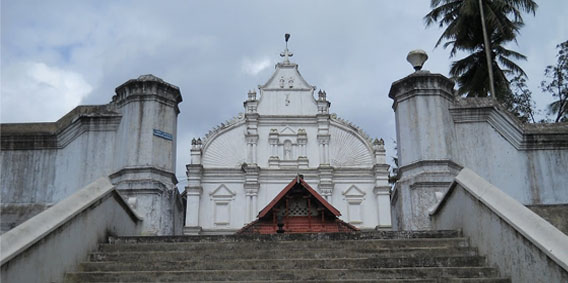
382 256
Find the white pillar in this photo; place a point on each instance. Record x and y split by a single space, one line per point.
254 207
384 206
192 211
248 208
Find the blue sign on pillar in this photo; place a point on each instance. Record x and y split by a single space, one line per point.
164 135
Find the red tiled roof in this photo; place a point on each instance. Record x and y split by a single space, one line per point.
300 181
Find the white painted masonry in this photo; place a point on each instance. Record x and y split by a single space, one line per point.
524 246
132 139
439 133
56 240
241 165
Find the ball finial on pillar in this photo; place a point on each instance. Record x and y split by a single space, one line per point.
417 58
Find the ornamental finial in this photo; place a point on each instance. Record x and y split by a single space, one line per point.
286 54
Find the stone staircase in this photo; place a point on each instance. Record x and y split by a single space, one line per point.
383 256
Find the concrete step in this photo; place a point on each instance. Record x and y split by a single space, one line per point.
275 246
291 237
207 254
431 280
302 275
290 263
478 280
386 256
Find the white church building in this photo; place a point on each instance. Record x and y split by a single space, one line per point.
241 165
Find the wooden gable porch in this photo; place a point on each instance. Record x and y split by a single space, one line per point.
298 208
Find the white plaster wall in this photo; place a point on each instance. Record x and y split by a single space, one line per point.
227 149
27 176
264 150
85 159
368 207
47 176
529 176
424 129
347 150
163 153
287 102
433 127
287 98
504 246
136 144
135 134
237 209
62 249
541 165
269 189
100 143
487 153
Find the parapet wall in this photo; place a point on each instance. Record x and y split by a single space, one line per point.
58 239
521 244
439 133
527 161
42 163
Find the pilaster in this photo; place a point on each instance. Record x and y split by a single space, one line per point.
382 193
251 187
251 135
323 143
193 195
325 184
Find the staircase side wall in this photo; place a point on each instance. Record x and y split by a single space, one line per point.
556 214
35 175
522 245
55 241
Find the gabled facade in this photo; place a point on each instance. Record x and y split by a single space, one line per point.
298 209
284 131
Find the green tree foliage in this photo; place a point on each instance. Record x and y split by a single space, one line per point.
463 32
521 104
556 83
394 174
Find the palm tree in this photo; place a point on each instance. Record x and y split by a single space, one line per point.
470 72
463 32
556 83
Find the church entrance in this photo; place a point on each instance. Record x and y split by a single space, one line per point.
298 209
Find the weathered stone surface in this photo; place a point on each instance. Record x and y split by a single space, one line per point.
427 256
512 237
132 139
14 214
556 214
291 237
439 133
43 248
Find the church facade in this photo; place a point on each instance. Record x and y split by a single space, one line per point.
241 165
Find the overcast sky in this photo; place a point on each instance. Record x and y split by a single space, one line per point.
56 55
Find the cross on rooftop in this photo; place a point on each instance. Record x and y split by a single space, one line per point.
286 53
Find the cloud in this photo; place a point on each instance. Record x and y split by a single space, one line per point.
36 92
218 50
253 67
